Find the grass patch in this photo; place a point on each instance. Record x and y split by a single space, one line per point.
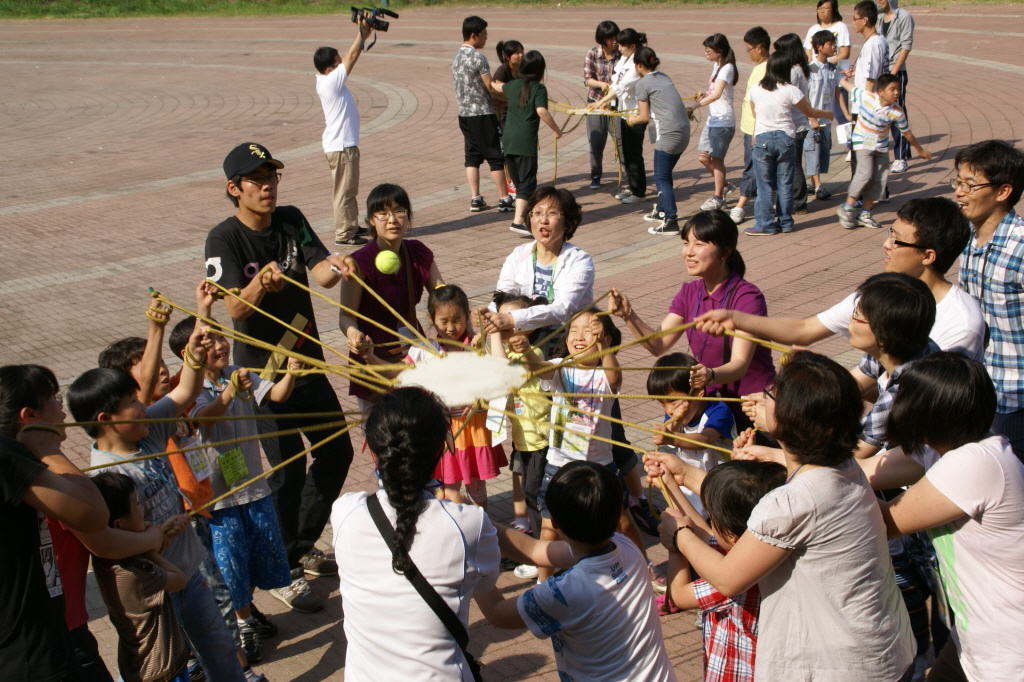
37 9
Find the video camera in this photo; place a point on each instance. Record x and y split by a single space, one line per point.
370 15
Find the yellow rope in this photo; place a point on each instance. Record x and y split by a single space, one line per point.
236 387
314 446
513 415
220 418
636 396
355 313
387 306
230 333
561 327
217 444
613 420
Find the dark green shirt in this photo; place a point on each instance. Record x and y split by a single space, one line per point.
521 123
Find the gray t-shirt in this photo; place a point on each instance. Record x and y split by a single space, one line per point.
668 113
797 78
156 487
231 429
898 34
831 611
467 67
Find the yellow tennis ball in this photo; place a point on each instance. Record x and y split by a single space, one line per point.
387 262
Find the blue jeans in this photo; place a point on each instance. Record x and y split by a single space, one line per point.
774 153
206 632
748 183
663 165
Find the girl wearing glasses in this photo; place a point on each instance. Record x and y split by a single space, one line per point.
389 216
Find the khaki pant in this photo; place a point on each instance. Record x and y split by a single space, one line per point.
345 171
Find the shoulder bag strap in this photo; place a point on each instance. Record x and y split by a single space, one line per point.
425 589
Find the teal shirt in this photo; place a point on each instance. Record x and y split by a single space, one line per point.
522 123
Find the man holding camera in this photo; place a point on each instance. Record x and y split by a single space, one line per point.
341 134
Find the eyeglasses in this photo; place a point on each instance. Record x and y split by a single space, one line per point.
550 215
751 47
898 243
397 214
58 397
854 318
968 188
261 180
768 394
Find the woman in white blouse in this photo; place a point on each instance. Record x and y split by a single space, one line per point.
631 138
549 267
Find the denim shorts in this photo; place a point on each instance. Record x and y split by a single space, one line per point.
715 141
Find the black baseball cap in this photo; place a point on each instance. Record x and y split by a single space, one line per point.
247 157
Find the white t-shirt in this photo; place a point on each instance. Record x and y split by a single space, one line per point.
842 34
981 556
601 618
959 325
871 63
774 110
392 634
575 444
720 112
831 611
340 112
624 79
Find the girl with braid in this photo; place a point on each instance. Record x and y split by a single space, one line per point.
392 633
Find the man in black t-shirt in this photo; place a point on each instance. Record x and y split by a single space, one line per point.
34 639
262 235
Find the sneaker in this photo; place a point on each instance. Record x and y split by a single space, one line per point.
658 579
713 203
631 199
595 182
510 187
645 520
508 564
623 193
667 226
252 647
864 219
314 562
848 155
195 671
298 597
351 241
729 189
520 228
507 204
821 193
738 215
263 624
655 216
847 216
477 204
755 232
363 232
898 166
525 572
253 676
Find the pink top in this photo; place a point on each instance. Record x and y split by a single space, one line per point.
735 293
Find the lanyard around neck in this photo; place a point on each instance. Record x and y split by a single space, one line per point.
551 282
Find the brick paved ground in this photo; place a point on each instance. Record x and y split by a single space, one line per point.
114 132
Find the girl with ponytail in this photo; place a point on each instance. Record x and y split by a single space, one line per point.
454 546
510 54
728 366
721 126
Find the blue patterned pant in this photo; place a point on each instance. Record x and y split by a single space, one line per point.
249 550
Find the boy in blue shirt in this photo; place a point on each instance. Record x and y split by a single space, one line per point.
699 421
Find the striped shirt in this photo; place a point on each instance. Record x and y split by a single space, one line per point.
993 274
874 121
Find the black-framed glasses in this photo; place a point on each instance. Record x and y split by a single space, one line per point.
898 243
768 394
261 180
967 187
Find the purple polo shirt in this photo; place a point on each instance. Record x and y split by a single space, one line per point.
733 294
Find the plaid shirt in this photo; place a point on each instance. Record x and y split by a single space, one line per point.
993 274
599 68
730 631
874 421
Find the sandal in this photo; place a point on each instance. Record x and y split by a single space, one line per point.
665 605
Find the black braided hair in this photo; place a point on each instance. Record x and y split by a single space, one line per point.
406 430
